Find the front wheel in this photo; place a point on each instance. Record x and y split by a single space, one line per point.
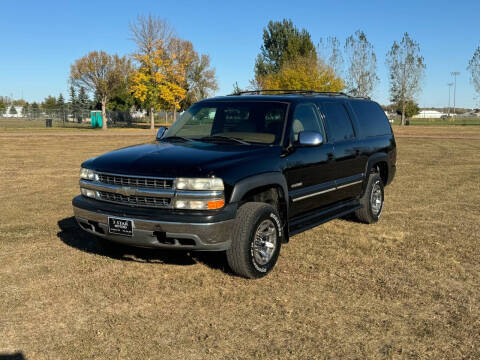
256 242
371 201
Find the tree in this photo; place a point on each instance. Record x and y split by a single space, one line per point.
83 99
12 110
152 36
362 65
406 67
237 89
49 105
3 106
474 69
61 106
282 42
73 103
200 81
35 110
157 82
329 51
102 73
411 108
303 73
25 109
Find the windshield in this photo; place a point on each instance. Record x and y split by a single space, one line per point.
252 122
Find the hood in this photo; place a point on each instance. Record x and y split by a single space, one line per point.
175 159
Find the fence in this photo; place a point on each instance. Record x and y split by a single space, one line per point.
81 118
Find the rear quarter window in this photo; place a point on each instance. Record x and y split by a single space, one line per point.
371 118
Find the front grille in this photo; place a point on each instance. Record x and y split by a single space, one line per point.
139 182
134 200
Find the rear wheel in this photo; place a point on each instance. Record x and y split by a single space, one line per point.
256 242
371 201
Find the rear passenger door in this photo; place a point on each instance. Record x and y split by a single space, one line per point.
340 131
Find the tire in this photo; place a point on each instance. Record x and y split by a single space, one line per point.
250 257
371 201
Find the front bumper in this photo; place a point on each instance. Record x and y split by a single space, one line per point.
157 233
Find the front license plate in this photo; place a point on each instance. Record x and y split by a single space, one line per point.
120 226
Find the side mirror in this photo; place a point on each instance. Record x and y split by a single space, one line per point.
310 138
161 131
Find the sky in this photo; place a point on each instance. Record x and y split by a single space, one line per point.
41 39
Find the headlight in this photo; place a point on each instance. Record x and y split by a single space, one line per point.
199 184
88 174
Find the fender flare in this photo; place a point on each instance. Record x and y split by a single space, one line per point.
372 160
273 178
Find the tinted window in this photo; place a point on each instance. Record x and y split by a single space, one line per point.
339 126
371 118
305 119
260 122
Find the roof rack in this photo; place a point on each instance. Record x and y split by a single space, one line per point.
291 91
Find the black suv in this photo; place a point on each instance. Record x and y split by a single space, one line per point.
242 174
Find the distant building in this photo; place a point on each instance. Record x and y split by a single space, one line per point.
7 112
429 114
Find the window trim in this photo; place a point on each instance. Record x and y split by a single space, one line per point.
318 118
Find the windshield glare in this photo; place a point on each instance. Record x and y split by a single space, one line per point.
257 122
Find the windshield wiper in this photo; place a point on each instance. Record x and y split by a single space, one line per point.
223 138
175 138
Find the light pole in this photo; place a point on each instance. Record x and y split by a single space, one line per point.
449 88
454 74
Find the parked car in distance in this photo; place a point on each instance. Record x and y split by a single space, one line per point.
242 174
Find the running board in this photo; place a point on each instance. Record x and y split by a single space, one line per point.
311 220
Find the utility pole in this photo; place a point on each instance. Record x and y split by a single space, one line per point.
449 88
454 74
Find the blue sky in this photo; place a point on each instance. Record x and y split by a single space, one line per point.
40 39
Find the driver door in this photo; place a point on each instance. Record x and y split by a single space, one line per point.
309 175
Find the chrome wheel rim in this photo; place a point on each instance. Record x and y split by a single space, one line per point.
376 198
265 242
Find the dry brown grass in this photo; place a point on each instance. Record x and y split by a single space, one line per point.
407 287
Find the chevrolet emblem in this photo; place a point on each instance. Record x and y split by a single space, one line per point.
126 191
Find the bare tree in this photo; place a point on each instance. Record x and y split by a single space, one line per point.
102 74
328 49
474 69
362 65
150 34
406 67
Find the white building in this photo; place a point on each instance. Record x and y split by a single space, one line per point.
429 114
7 112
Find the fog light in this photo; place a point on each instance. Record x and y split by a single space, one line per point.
88 193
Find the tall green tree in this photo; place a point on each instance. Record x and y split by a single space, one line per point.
282 42
49 105
83 99
361 76
35 110
406 69
474 70
61 107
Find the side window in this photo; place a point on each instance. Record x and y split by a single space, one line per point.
305 119
371 118
339 126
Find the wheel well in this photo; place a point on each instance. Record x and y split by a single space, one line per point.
272 195
382 168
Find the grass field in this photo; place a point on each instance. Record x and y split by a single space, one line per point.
406 287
